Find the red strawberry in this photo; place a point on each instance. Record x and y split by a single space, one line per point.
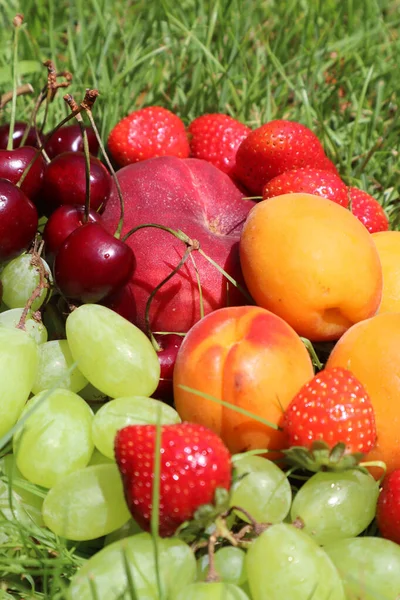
146 133
309 181
333 407
368 210
276 147
194 463
388 508
216 138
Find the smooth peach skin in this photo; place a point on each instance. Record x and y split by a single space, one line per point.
311 262
388 245
248 357
371 350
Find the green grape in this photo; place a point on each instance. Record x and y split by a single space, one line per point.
86 504
55 360
284 562
98 458
229 564
56 439
24 504
20 278
263 491
127 530
36 329
133 410
211 591
369 567
18 366
106 571
334 506
113 354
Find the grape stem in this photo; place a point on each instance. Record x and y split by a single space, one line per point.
44 283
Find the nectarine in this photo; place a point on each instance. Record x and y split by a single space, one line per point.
388 245
311 262
250 358
370 350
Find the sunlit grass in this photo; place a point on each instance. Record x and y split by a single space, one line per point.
330 65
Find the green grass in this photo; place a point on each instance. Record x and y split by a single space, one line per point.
330 65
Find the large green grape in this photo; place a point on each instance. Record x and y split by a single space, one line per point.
18 367
368 566
56 439
113 354
86 504
106 571
285 563
334 506
55 362
211 591
133 410
229 563
36 329
263 491
20 278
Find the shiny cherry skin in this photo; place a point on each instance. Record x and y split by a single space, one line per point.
61 223
18 221
122 302
169 345
69 139
19 130
14 162
65 182
92 264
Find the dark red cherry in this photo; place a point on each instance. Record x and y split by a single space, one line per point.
64 220
91 264
69 139
123 303
65 182
18 221
169 346
19 130
14 162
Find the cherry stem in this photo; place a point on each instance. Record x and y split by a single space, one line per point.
120 225
227 276
156 289
25 88
73 106
17 22
42 145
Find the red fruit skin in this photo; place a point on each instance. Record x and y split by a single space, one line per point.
65 182
309 181
194 462
368 210
18 221
388 507
169 345
276 147
91 264
147 133
61 223
122 302
216 137
196 197
19 131
334 407
69 139
14 162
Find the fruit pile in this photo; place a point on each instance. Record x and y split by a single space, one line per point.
198 358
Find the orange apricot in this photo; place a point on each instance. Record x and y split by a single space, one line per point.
250 358
370 350
388 245
312 262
